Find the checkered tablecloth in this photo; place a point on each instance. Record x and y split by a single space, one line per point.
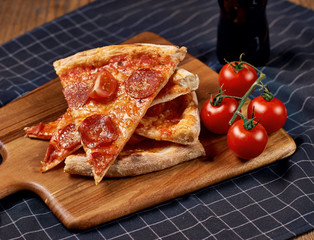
273 202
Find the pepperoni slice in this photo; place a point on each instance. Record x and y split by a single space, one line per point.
105 86
76 94
143 83
69 138
97 130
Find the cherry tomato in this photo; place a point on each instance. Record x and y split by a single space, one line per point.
245 143
236 79
105 86
216 118
272 114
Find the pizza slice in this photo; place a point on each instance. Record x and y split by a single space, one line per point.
181 82
109 90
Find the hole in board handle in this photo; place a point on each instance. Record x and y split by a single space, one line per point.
3 153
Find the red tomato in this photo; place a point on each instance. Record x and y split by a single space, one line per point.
105 86
245 143
216 118
272 114
236 82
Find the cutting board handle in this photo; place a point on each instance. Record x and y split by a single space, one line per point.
7 174
3 151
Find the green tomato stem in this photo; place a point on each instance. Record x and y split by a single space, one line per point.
248 93
226 96
267 95
247 123
219 97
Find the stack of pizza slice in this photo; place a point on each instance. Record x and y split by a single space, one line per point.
131 111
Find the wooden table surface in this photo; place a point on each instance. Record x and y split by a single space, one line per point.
20 16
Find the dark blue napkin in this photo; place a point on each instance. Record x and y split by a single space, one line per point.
273 202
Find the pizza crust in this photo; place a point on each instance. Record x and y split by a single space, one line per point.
149 155
139 161
97 56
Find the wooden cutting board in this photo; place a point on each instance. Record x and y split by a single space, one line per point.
76 201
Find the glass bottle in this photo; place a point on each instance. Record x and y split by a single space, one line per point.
243 28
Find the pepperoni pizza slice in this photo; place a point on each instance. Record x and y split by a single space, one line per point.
181 82
109 90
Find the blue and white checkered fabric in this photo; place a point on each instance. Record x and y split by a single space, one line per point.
273 202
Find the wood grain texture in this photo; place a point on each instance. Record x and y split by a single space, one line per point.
20 16
76 201
17 17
